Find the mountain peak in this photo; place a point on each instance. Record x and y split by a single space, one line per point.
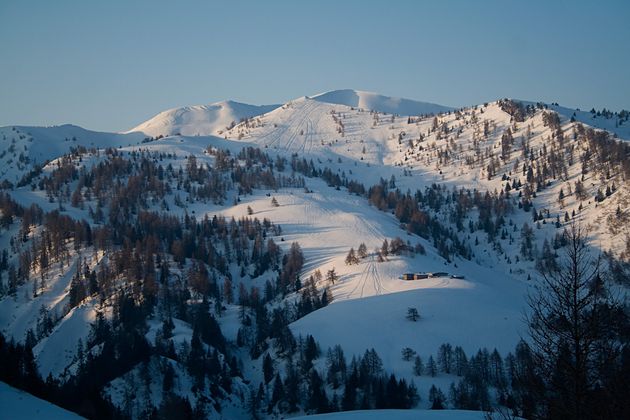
377 102
200 120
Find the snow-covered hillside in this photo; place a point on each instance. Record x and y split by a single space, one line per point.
339 136
22 147
19 405
603 122
200 120
454 149
364 188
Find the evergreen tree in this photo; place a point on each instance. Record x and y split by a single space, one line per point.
412 314
349 399
292 387
277 395
436 398
407 353
460 361
331 276
418 366
351 258
362 251
318 401
445 358
385 249
431 367
268 370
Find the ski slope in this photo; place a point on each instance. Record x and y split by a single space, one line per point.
334 136
327 223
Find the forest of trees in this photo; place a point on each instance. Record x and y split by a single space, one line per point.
158 265
171 269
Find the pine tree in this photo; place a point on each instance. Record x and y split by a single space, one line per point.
436 398
460 361
407 353
351 258
277 395
268 370
445 357
318 401
431 367
292 387
349 399
385 249
362 251
331 276
228 293
418 366
412 314
327 297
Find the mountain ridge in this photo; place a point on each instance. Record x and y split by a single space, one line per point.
377 102
210 119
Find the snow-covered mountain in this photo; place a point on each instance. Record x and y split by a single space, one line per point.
483 193
374 102
23 147
215 119
200 120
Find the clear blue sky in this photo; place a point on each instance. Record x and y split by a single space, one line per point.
109 65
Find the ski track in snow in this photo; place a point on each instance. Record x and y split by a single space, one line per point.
369 276
295 123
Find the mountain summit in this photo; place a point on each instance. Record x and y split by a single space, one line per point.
216 118
200 120
376 102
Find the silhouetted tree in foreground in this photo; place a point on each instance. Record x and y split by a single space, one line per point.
579 338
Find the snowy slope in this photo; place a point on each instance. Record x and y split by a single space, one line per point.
21 146
57 351
601 122
375 102
17 405
327 223
328 132
200 120
367 147
370 301
475 313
